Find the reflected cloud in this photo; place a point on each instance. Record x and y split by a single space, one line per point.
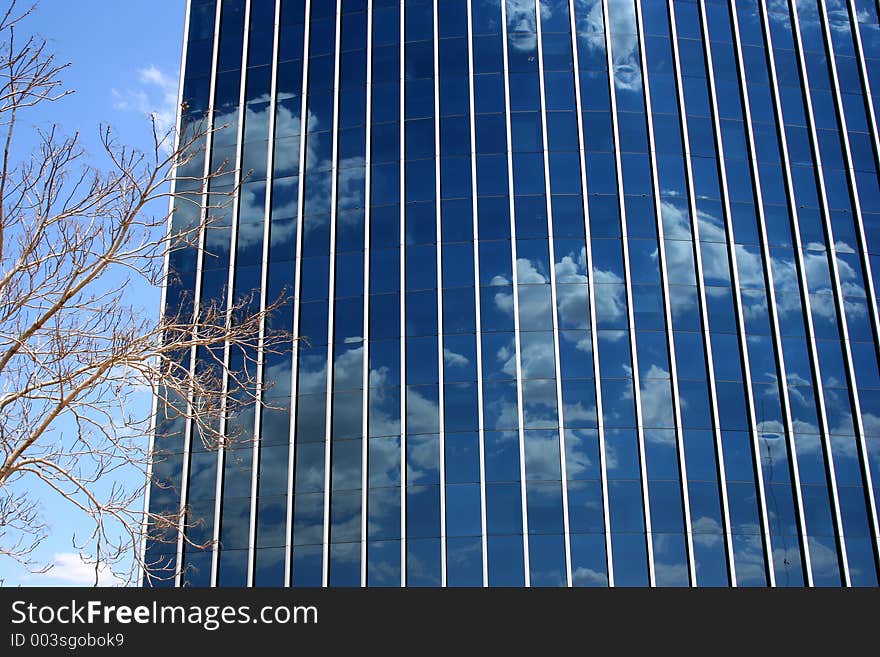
346 523
312 374
580 413
588 19
872 428
423 459
348 369
278 375
707 531
749 556
572 267
347 553
656 398
310 471
588 577
577 449
422 414
822 558
531 272
284 198
256 122
625 46
384 419
453 359
501 413
610 296
384 462
522 25
537 357
542 455
539 403
669 560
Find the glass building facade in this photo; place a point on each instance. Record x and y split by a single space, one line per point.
585 292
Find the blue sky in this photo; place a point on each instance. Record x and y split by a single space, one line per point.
124 57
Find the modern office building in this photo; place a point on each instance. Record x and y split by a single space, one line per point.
586 292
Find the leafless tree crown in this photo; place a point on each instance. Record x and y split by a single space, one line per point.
80 358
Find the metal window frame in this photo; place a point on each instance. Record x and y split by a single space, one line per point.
478 319
402 246
603 466
871 117
838 295
553 294
294 384
832 249
763 510
163 293
230 289
440 360
631 323
767 272
701 293
331 302
863 253
855 26
264 275
515 293
667 303
197 292
365 409
802 280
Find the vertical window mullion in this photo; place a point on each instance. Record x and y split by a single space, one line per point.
215 556
264 285
594 341
515 293
478 320
865 261
334 213
294 382
627 276
440 360
403 377
667 310
802 281
701 293
735 282
365 409
602 453
553 295
835 275
773 315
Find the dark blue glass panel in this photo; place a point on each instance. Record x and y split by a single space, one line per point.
464 561
423 562
506 561
306 570
630 559
463 510
547 560
588 560
345 564
383 563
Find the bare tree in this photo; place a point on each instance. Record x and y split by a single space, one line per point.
80 359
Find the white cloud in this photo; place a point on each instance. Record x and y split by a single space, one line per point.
152 75
71 569
156 96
